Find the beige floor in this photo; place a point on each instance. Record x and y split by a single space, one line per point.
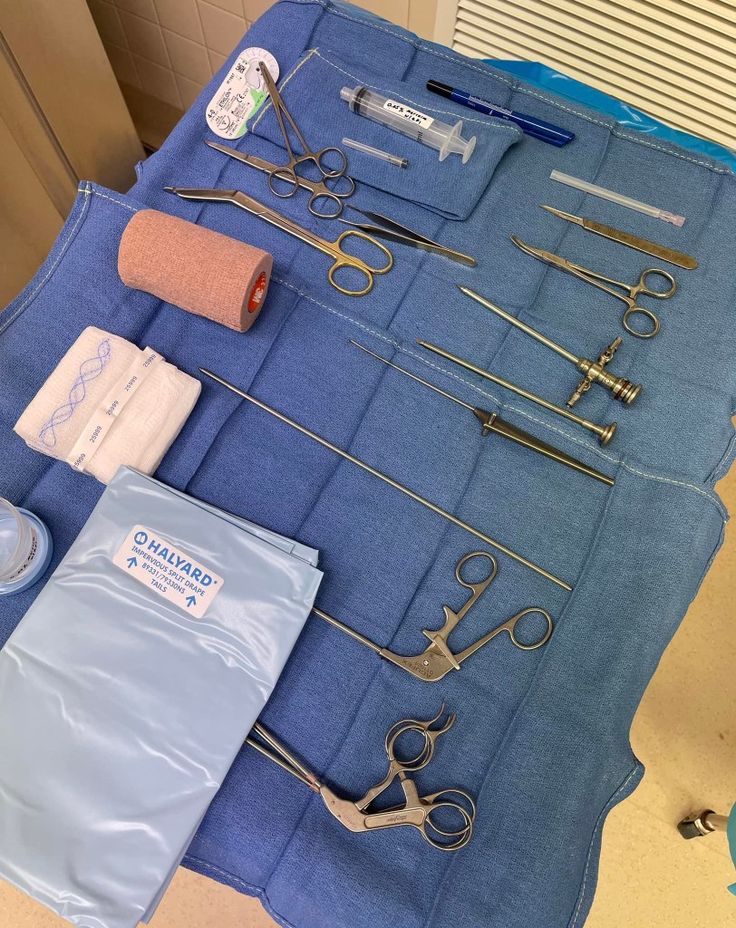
685 732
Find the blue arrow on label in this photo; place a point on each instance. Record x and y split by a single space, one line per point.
191 601
132 562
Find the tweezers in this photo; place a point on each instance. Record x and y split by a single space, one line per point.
394 232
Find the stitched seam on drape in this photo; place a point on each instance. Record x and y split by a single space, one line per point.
316 53
15 311
541 664
388 338
340 743
198 865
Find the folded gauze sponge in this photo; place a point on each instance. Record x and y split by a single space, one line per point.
196 269
108 403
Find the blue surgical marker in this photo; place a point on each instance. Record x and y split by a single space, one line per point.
530 125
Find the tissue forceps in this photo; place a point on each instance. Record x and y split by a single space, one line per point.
601 281
269 168
395 232
438 659
333 249
287 173
422 812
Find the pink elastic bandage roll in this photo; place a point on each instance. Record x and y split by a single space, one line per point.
196 269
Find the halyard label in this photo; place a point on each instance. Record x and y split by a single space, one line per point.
168 571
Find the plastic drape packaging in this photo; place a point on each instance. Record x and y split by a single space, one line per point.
128 688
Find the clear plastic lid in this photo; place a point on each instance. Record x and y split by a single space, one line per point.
16 540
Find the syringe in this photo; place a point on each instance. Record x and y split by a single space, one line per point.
405 119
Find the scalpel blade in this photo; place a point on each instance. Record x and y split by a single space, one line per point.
678 258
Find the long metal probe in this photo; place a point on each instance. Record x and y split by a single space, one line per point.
604 432
391 482
493 423
568 355
336 623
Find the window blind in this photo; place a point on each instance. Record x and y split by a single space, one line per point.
675 59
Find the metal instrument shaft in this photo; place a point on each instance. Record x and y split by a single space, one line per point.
604 432
595 371
433 507
491 422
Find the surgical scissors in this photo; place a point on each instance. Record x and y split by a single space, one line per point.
437 659
601 281
287 174
342 259
422 812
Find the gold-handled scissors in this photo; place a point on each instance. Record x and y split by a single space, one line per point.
444 819
438 659
644 286
285 180
342 260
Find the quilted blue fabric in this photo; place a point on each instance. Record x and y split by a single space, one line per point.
541 737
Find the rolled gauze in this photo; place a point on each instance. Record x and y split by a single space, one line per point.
196 269
108 403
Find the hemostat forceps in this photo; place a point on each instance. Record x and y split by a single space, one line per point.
317 188
607 284
438 659
432 815
334 250
287 174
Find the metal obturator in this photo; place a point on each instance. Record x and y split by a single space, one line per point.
595 371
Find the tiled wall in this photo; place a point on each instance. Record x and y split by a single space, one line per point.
171 48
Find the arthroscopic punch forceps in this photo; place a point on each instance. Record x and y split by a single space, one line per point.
628 293
432 815
433 507
341 259
438 659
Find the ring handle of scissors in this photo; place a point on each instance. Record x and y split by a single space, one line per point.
321 191
283 175
442 839
417 761
510 627
635 310
319 158
479 585
434 833
345 260
645 287
333 199
423 728
399 768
